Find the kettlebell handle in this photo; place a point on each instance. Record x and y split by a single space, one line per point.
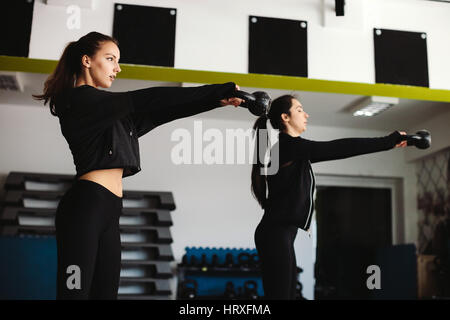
257 103
244 95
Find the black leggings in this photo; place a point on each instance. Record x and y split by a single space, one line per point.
275 246
88 237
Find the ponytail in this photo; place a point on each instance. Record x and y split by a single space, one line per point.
62 78
259 175
259 178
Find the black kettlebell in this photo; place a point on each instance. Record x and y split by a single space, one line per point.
422 139
257 103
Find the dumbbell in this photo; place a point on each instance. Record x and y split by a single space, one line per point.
250 290
204 263
189 289
244 260
184 261
229 263
254 260
229 291
215 261
194 261
257 103
422 139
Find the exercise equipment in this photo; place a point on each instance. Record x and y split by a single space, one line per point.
229 261
421 140
213 268
184 260
250 290
229 293
194 261
244 260
188 289
215 261
257 103
204 263
254 263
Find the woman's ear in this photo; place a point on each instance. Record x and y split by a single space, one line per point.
285 117
86 61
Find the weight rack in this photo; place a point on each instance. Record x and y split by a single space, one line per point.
29 207
222 274
219 274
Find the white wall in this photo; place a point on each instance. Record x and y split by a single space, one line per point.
213 35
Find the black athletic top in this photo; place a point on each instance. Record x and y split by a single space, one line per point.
291 189
102 128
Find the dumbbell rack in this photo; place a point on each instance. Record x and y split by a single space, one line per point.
29 208
211 278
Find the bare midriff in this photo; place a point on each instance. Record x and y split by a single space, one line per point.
111 179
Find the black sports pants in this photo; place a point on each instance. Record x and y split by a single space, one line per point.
88 237
275 246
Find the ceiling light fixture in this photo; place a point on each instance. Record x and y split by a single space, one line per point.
372 106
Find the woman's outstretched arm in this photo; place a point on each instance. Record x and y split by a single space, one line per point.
317 151
158 105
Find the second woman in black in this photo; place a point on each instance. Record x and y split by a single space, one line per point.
287 195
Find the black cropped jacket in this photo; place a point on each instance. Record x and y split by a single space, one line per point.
102 128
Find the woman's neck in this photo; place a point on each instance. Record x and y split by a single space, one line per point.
84 81
292 132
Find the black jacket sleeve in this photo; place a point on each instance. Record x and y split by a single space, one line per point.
98 109
158 105
316 151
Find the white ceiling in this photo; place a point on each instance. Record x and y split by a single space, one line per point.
324 109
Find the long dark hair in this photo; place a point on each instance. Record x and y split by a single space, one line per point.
69 68
259 180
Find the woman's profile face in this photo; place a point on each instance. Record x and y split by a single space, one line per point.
104 66
298 118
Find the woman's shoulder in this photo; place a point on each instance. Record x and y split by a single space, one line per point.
86 94
80 90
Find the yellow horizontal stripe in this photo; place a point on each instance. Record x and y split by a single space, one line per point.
154 73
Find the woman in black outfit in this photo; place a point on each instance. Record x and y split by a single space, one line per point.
289 202
102 130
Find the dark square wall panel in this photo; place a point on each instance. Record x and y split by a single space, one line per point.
401 57
146 34
278 46
15 25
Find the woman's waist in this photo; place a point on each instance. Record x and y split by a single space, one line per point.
111 179
286 214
